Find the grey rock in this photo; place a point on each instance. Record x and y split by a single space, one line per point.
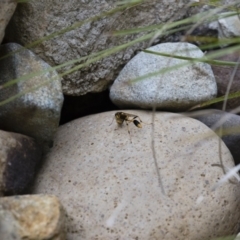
237 237
6 11
230 125
19 158
177 89
227 26
36 19
223 75
31 217
36 110
109 186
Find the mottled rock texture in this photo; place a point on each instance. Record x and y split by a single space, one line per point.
230 124
167 83
19 157
31 217
31 105
37 19
109 186
227 77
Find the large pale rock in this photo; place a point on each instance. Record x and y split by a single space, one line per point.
7 9
109 186
36 110
19 158
178 89
36 19
31 217
230 128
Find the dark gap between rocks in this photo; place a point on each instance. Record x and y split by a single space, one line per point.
80 106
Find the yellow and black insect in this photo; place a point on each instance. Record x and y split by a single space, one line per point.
122 117
128 118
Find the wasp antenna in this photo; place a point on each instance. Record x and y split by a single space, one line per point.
143 122
112 121
129 132
146 123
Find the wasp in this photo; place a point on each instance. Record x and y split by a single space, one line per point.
122 117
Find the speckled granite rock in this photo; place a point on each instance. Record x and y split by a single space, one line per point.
36 19
230 128
109 186
177 89
228 25
36 110
31 217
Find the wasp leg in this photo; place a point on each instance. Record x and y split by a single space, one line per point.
129 131
112 121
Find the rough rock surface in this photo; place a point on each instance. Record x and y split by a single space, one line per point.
177 89
109 186
230 128
228 26
19 157
31 217
7 9
223 75
36 19
36 110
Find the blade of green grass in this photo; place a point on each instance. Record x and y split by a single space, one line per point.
215 100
